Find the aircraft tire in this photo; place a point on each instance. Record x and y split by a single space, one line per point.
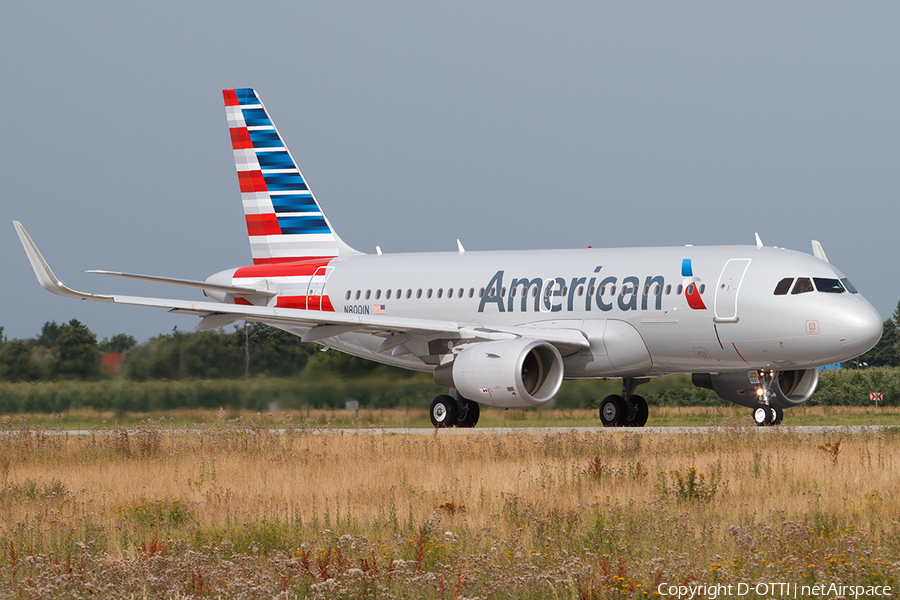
613 412
643 412
761 416
443 411
469 416
777 415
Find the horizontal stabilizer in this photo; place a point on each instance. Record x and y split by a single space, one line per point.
200 285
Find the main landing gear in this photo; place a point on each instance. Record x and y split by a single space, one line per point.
453 411
627 410
765 414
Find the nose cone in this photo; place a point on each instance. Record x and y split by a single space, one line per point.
859 328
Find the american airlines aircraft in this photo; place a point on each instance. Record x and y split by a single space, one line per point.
504 328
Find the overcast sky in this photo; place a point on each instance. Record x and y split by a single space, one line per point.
507 125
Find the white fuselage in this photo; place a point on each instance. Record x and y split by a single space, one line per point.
631 303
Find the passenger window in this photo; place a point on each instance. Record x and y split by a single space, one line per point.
783 286
678 290
481 293
408 294
503 292
668 289
347 296
388 294
471 292
460 294
449 292
849 286
428 293
399 294
612 290
829 286
702 288
802 286
357 294
377 294
419 294
646 290
440 292
580 291
368 294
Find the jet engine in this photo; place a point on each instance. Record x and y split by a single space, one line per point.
515 373
788 388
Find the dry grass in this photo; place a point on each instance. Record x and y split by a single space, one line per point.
236 509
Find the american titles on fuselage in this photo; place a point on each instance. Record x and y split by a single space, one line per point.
552 294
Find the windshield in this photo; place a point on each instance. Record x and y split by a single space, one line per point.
830 286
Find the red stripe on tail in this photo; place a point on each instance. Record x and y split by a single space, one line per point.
240 138
263 224
230 97
252 181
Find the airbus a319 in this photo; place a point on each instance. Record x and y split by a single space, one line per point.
505 328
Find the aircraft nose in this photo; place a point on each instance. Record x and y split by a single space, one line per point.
859 327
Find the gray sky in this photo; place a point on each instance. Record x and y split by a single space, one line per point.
507 125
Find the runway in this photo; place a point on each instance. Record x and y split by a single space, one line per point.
534 431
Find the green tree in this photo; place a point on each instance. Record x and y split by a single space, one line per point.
213 354
120 342
276 352
17 363
75 352
49 332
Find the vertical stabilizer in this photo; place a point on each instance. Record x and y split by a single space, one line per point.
284 221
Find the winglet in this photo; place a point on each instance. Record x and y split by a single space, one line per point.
45 274
759 243
460 246
818 251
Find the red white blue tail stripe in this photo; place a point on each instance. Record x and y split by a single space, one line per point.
284 221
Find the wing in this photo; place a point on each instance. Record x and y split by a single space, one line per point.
317 325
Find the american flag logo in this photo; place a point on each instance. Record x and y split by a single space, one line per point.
378 309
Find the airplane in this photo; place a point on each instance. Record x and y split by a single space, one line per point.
505 328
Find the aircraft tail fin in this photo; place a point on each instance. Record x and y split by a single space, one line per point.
284 221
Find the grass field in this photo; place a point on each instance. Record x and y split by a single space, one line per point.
234 509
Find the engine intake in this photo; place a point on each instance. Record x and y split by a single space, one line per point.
515 373
790 388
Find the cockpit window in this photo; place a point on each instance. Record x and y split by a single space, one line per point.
829 286
802 286
849 286
783 286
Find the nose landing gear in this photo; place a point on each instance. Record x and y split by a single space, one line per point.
765 414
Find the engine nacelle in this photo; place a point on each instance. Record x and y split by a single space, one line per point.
515 373
790 388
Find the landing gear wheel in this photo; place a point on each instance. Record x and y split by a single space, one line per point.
613 411
763 415
777 415
443 411
467 415
643 411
